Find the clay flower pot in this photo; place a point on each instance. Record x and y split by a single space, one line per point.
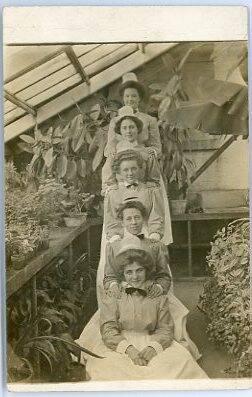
75 220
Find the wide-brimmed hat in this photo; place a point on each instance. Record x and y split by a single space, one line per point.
131 246
129 80
124 113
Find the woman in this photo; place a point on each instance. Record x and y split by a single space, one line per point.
133 93
137 331
128 128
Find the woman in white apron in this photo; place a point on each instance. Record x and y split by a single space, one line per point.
138 331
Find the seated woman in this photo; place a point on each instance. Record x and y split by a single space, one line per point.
137 331
128 128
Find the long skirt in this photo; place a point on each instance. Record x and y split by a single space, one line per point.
175 362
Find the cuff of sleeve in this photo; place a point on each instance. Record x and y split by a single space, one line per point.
114 238
113 283
160 287
123 346
155 236
157 346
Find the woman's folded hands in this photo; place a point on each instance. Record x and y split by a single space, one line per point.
141 357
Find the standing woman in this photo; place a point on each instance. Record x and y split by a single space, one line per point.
133 93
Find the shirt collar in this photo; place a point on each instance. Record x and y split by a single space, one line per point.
128 234
126 184
123 145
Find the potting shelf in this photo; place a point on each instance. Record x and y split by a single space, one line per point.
220 214
61 238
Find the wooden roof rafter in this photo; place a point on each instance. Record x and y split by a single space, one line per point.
141 47
56 74
35 65
129 57
20 103
75 61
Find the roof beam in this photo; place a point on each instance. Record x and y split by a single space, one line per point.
83 90
21 104
141 47
35 65
75 61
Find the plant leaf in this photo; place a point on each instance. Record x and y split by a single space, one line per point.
38 136
24 147
164 107
95 112
98 157
61 165
48 157
27 138
82 168
78 141
67 342
71 169
94 144
55 141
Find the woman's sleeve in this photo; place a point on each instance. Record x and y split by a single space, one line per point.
152 169
110 274
113 226
156 216
154 136
109 328
108 178
162 336
162 275
111 141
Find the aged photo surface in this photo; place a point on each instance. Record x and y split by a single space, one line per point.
127 214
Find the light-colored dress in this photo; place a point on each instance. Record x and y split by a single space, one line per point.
140 321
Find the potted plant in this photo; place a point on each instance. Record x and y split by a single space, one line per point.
74 207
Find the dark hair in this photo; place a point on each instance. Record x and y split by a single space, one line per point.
133 84
126 258
131 204
125 156
138 123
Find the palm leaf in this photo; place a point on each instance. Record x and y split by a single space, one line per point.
73 344
43 353
27 138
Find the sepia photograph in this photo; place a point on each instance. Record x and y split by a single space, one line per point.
126 177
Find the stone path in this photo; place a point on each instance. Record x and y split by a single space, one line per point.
214 359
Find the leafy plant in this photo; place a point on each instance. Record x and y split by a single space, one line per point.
72 151
48 337
226 296
176 166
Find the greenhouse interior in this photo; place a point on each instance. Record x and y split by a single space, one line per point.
59 104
